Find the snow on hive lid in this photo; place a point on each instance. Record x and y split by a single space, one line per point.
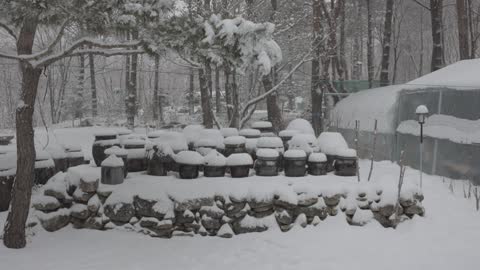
241 159
212 134
206 143
105 132
134 142
249 132
262 124
192 132
176 140
123 131
330 142
115 150
112 161
72 148
41 154
317 157
346 152
288 133
56 151
267 153
269 142
229 132
234 140
302 125
155 134
422 109
189 158
215 159
296 153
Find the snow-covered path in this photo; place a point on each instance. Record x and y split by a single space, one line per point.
446 238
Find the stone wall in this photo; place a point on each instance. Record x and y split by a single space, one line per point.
87 204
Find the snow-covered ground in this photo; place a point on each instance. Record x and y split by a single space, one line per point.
446 238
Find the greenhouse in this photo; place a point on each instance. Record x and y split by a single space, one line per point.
452 95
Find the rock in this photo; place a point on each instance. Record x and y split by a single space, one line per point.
82 197
133 221
307 199
193 204
104 192
46 203
212 211
332 200
283 217
89 185
407 202
94 204
119 212
186 217
285 228
54 221
318 209
332 211
350 211
210 223
226 219
285 204
415 209
384 221
202 231
59 195
79 211
418 196
237 210
316 221
261 205
364 205
265 212
386 210
94 223
194 226
153 208
301 220
251 224
225 231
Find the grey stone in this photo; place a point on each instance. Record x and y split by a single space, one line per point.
261 205
120 212
89 186
307 199
283 217
49 206
144 208
80 211
212 211
332 211
407 202
210 223
94 223
239 227
332 200
386 210
236 210
82 197
278 202
55 221
193 204
415 209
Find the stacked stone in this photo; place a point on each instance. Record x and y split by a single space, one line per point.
94 207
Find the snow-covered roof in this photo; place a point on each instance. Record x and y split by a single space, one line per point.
460 75
380 103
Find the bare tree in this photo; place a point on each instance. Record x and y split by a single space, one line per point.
370 45
387 39
462 26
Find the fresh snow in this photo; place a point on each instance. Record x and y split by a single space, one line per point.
214 159
422 109
112 161
234 140
317 157
229 132
270 142
267 153
249 132
189 157
239 160
288 133
262 124
295 154
331 142
302 125
346 152
447 127
115 150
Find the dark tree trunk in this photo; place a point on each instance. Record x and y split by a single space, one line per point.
80 88
228 93
14 235
218 95
387 39
235 121
191 93
358 44
316 90
131 85
157 97
436 13
93 85
370 56
205 99
342 67
273 110
462 23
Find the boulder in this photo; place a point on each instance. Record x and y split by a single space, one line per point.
307 199
283 217
152 208
212 211
185 218
415 209
94 223
301 220
225 231
210 223
386 210
250 224
283 203
45 203
54 221
119 212
193 204
332 200
79 211
94 204
89 185
82 197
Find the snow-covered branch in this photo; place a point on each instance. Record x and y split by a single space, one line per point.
254 101
8 29
50 49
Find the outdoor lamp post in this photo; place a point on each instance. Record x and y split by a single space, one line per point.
421 112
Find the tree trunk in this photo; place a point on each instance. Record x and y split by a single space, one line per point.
370 56
131 85
218 95
191 93
342 67
462 24
235 121
205 99
80 88
228 94
316 90
357 44
14 235
387 39
436 14
273 110
93 85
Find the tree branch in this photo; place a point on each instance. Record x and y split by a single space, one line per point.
421 4
8 29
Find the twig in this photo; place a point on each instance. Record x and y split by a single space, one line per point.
357 127
451 187
477 198
373 150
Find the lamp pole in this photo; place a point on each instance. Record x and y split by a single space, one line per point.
421 112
